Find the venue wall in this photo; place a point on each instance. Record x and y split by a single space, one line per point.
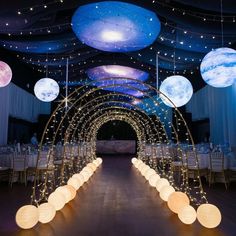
217 104
18 103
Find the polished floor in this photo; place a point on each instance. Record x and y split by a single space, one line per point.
116 201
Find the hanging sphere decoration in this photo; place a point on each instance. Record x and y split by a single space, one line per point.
178 89
46 89
5 74
218 67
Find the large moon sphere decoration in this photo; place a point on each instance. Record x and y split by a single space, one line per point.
5 74
218 67
178 89
46 89
115 26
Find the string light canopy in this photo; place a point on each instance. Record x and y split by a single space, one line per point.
46 89
128 28
178 89
5 74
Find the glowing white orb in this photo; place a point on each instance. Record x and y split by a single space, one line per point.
46 212
133 160
74 182
161 183
153 180
144 169
99 160
218 67
96 162
178 89
165 192
65 191
5 74
92 166
57 199
187 214
27 216
149 173
177 200
88 169
208 215
46 89
86 175
72 191
79 177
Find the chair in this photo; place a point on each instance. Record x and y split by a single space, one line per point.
18 168
217 167
4 173
195 166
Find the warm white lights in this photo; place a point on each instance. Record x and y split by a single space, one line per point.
187 214
27 216
161 183
177 200
153 180
208 215
57 199
46 212
165 192
74 182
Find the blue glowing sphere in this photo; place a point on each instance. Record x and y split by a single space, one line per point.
218 67
178 89
46 89
115 26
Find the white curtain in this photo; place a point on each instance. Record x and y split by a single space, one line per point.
18 103
217 104
4 113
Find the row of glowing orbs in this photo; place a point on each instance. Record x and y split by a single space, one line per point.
207 214
28 216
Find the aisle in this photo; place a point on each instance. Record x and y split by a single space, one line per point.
117 201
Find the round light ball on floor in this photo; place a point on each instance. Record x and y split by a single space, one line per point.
88 169
5 74
178 89
187 215
133 160
65 191
143 171
177 200
218 67
149 173
57 199
92 166
86 175
79 177
46 212
27 216
72 191
74 182
165 192
208 215
140 167
96 162
153 180
46 89
139 164
100 160
161 183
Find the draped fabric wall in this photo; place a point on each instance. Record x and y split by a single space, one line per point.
217 104
18 103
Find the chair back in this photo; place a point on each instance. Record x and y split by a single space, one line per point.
19 162
217 161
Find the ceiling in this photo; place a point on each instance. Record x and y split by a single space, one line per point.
36 39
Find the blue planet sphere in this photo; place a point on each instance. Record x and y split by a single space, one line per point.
46 89
218 67
178 89
115 26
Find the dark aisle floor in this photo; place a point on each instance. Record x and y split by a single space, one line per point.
116 201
